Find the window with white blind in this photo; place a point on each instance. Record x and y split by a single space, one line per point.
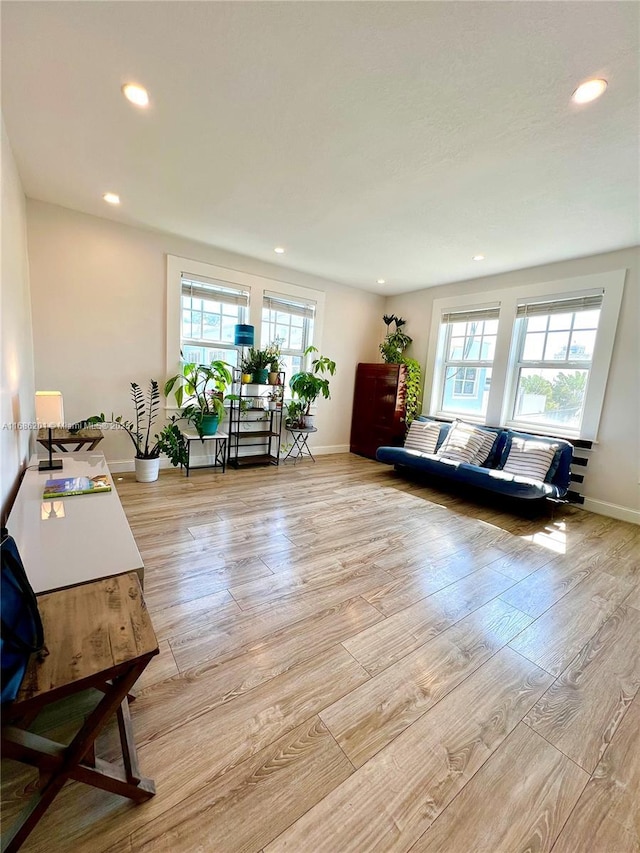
290 322
554 347
467 349
210 310
534 357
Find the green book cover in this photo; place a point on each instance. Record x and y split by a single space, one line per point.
66 486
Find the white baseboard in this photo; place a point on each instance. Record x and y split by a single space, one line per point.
622 513
330 448
126 466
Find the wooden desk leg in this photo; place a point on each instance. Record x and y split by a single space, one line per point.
62 763
127 742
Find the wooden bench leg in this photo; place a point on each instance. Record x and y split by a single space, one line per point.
58 763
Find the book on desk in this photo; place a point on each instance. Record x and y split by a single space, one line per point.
67 486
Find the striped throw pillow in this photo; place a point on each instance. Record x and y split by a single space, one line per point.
488 439
422 436
462 444
531 459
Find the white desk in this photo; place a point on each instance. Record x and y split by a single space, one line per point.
68 541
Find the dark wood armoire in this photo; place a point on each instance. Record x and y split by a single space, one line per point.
378 408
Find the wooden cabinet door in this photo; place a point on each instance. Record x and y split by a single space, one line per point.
378 408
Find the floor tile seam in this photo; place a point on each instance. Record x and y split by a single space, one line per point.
444 696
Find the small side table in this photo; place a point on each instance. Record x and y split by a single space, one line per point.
62 439
300 443
99 635
220 440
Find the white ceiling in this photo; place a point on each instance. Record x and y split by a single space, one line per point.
372 139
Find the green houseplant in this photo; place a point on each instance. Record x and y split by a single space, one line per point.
308 385
392 351
148 447
259 361
396 342
275 360
203 387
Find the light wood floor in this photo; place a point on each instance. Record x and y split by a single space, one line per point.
354 662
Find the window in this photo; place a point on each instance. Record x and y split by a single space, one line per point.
466 382
555 342
467 345
545 353
290 321
210 311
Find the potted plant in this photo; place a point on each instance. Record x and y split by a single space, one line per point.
395 343
203 387
148 448
308 385
275 361
274 398
245 370
392 350
295 414
259 360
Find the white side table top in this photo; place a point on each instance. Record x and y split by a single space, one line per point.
192 435
72 540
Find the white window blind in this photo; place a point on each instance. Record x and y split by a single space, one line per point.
560 306
202 288
296 308
474 315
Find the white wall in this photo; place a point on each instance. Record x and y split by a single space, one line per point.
613 473
99 316
17 399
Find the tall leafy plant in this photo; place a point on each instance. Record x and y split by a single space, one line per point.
308 385
147 408
392 349
413 388
201 387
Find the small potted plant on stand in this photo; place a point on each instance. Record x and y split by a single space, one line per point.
260 360
308 385
203 387
275 361
295 414
245 370
148 448
274 398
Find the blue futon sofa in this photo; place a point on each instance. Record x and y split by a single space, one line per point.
489 476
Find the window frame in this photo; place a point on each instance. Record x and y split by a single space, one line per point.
255 285
217 289
501 390
308 324
519 363
444 335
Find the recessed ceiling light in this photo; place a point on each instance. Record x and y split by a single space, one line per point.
111 198
279 250
138 95
478 258
381 281
589 91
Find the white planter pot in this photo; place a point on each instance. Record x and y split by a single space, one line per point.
147 470
309 420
